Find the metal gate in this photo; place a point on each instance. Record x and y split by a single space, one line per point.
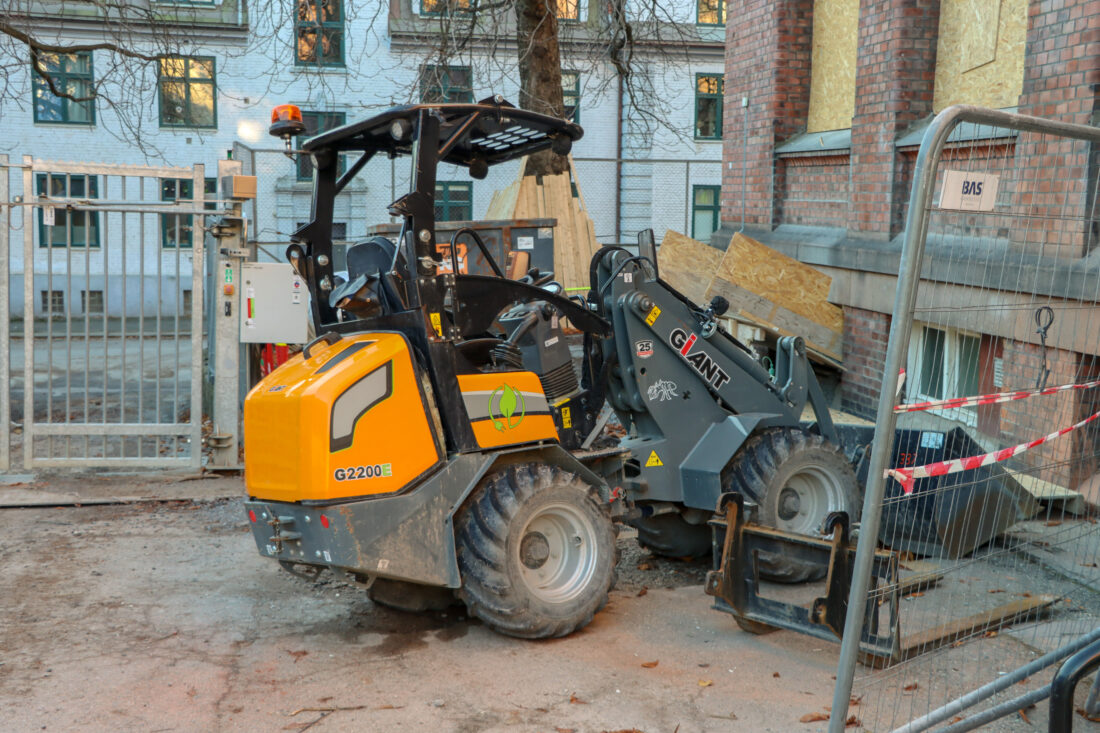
985 469
106 338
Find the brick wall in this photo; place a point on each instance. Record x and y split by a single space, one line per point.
812 189
865 337
895 71
767 62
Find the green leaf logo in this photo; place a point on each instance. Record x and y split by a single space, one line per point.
507 407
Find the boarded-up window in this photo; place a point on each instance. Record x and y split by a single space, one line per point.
833 65
980 53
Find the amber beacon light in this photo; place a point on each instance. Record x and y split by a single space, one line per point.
286 122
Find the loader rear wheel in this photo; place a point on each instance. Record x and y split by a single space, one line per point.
536 550
670 535
797 479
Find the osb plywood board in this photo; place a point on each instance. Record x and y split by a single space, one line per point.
833 65
972 65
688 265
785 282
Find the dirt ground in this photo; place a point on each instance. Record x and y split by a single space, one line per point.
161 616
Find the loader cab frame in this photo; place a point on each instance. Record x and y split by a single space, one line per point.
436 310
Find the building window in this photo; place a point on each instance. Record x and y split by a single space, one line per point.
176 229
91 302
320 29
186 305
316 123
944 363
454 201
441 84
70 228
53 302
71 75
704 211
445 7
339 231
571 95
187 89
710 12
708 107
569 9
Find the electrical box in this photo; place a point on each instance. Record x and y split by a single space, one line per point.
239 187
274 305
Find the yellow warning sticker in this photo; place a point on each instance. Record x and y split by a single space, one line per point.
566 418
650 319
654 460
437 324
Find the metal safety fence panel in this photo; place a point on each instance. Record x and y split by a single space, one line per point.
105 346
984 473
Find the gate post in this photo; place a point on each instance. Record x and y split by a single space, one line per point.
226 255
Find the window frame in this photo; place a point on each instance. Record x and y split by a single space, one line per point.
91 191
575 93
37 83
719 96
445 97
721 14
470 7
716 208
950 368
577 5
187 81
167 221
443 199
85 301
304 160
319 27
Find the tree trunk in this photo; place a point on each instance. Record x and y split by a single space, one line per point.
540 72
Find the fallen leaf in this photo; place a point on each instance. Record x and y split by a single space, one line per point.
990 634
646 565
813 717
775 675
649 665
1025 594
1053 523
566 730
912 686
390 707
956 719
1023 715
706 683
852 722
643 591
573 699
324 699
1088 565
915 594
1084 714
297 655
855 700
997 590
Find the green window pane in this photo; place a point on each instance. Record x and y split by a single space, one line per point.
201 109
453 201
71 76
969 350
932 354
708 107
316 123
70 228
176 230
711 12
187 91
704 196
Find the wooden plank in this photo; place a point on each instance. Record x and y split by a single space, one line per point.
784 281
503 203
687 265
1025 609
746 302
815 351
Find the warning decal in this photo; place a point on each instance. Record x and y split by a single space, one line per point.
654 460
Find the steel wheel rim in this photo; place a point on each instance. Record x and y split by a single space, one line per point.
806 498
570 551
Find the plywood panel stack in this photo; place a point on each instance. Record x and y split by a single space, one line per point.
765 289
552 198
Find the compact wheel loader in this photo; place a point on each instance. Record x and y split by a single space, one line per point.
427 444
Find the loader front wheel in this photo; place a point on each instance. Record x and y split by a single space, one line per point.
797 479
536 550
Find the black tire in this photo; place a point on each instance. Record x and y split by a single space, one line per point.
670 535
797 479
536 550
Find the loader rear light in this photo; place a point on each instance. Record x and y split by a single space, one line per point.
286 113
324 521
252 515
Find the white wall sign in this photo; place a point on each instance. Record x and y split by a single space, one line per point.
969 191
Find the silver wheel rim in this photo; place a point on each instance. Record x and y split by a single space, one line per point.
557 554
806 498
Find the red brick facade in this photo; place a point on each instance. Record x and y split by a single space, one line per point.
865 338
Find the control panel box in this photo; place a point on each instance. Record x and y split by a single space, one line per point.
274 304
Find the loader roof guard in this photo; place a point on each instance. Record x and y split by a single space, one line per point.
472 135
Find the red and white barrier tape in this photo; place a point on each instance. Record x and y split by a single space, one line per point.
989 399
908 476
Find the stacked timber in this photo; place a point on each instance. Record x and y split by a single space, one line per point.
765 289
551 197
